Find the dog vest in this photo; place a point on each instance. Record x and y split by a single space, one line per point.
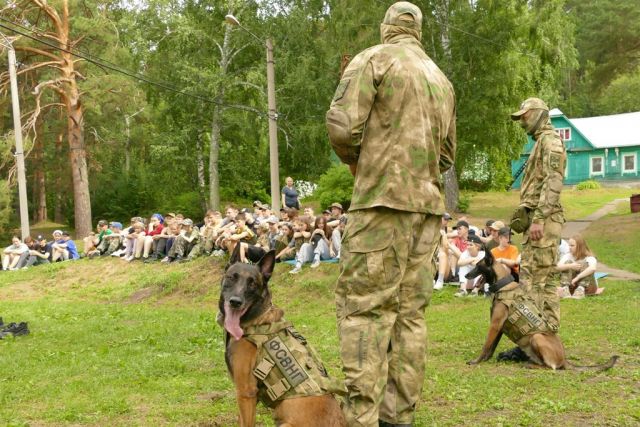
286 366
524 317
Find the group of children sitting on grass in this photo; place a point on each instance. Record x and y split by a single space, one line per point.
464 245
170 238
31 252
298 239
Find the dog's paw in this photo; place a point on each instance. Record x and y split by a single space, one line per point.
473 362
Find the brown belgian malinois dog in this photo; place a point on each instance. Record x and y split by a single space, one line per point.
245 305
544 349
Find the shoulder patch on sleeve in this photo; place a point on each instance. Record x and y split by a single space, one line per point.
341 89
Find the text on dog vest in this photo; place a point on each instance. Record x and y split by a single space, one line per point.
530 315
286 363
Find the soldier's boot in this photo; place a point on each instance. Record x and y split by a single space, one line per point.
514 355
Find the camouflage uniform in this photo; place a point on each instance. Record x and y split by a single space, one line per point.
109 244
540 194
184 249
393 115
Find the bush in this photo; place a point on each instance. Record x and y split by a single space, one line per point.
335 185
588 185
6 207
463 203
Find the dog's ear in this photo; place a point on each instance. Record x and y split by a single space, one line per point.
266 264
235 256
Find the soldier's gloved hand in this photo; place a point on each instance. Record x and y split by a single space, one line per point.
536 231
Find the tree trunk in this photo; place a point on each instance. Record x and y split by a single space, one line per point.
79 173
39 189
451 190
75 126
58 208
214 155
200 166
216 123
127 147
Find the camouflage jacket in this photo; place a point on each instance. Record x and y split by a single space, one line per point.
399 110
543 176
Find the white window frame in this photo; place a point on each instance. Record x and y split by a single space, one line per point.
567 130
624 163
602 165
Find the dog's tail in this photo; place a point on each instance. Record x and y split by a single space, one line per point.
603 367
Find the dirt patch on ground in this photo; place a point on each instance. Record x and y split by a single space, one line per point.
143 294
213 396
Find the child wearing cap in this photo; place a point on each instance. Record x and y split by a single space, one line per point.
506 253
64 249
40 253
241 233
155 227
92 241
467 260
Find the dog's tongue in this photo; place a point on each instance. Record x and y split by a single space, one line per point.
232 321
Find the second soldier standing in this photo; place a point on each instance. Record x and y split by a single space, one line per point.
392 120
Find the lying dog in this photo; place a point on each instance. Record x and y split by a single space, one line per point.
515 315
267 358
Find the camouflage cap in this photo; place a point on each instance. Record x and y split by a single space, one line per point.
187 222
529 104
396 15
497 225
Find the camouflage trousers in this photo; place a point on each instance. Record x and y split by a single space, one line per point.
538 269
181 247
109 245
385 284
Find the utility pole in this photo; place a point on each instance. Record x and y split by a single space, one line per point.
273 129
19 153
273 115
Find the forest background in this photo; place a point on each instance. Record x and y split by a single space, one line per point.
136 106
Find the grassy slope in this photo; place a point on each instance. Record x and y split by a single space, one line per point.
618 230
116 344
577 204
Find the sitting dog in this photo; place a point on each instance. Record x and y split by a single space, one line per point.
267 358
515 314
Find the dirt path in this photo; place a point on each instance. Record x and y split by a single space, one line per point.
573 227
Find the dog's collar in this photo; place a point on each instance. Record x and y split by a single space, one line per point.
495 287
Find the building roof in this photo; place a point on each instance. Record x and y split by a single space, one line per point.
618 130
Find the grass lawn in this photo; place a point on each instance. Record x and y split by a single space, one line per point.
117 344
114 344
577 204
619 230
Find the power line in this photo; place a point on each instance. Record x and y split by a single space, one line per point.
113 67
468 33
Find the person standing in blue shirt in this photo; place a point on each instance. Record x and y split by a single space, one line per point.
290 195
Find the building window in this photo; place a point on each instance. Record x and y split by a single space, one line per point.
564 133
629 163
597 166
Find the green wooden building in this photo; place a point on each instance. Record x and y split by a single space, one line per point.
605 148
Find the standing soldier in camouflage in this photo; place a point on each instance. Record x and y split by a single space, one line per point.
540 203
392 120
